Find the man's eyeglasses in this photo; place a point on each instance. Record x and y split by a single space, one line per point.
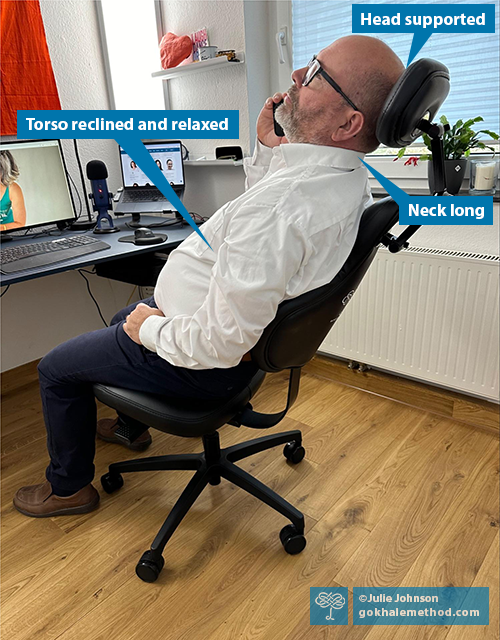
313 68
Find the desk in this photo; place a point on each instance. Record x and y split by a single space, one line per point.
175 235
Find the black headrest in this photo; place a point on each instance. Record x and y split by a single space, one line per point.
301 324
418 93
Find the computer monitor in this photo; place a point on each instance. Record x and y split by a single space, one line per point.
168 156
34 189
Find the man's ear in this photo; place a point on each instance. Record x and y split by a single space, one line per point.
350 128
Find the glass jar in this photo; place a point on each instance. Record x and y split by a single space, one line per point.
483 177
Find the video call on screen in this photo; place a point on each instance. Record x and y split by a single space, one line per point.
168 158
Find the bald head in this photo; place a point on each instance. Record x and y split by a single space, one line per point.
366 69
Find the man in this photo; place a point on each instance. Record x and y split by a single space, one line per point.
290 232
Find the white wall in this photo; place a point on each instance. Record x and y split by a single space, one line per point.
209 187
215 89
39 314
73 38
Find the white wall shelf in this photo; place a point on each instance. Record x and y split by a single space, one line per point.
197 67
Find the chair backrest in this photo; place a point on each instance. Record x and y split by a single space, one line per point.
301 324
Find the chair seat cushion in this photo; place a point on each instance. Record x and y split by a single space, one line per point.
180 417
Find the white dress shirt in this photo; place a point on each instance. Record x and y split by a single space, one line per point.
290 232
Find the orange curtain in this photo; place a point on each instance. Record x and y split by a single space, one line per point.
26 76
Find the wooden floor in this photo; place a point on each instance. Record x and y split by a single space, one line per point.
392 496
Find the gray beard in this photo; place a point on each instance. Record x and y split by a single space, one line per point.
298 127
291 124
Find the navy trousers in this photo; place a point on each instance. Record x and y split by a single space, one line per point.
109 356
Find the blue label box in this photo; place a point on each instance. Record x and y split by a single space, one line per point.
409 18
452 210
69 124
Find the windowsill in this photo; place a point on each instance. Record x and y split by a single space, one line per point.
380 193
412 179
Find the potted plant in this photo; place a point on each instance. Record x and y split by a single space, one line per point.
457 145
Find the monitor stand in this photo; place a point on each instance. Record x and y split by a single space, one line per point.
82 225
136 221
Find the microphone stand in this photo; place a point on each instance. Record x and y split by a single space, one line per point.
105 222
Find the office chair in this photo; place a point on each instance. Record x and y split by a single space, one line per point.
289 342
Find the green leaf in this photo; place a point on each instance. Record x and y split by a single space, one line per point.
468 134
461 138
427 140
426 156
401 152
468 123
492 134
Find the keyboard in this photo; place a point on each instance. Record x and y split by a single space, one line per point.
38 254
143 196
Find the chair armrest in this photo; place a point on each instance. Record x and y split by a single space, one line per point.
255 420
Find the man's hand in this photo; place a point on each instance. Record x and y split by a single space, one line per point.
265 123
134 320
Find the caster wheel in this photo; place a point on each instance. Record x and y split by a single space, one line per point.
111 482
148 569
214 481
292 541
294 452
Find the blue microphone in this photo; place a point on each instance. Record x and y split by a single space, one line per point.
97 173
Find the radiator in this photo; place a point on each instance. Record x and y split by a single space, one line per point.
427 314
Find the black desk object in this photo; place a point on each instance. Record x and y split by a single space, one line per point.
32 256
118 251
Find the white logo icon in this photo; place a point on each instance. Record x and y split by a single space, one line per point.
332 600
458 168
348 297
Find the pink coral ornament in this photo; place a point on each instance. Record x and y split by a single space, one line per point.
174 49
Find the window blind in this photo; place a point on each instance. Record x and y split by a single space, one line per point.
471 59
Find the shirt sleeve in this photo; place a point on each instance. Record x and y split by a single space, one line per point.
257 166
248 282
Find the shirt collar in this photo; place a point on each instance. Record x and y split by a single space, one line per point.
296 154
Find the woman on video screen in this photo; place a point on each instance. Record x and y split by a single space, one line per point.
12 209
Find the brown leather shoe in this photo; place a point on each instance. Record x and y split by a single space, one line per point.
38 501
107 430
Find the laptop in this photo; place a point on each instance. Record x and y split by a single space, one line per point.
139 195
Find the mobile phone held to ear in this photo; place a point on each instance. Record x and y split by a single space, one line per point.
277 127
